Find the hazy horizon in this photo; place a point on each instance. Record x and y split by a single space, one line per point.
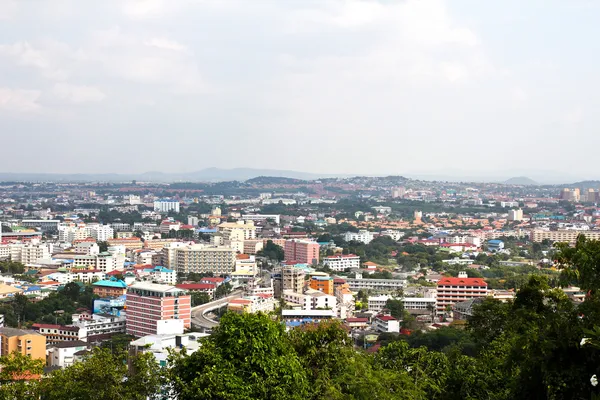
411 87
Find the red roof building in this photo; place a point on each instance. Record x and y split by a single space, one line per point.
454 290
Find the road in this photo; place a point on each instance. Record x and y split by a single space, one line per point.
199 318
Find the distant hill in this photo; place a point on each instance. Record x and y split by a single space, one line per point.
585 184
204 175
520 180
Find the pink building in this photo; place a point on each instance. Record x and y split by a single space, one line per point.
153 309
302 251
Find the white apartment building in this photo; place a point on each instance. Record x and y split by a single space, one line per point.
341 262
386 323
70 233
395 235
509 204
362 235
100 232
200 258
100 324
62 354
237 231
377 303
515 215
375 284
262 217
28 253
88 248
311 300
165 205
569 236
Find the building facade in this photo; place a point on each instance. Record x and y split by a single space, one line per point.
156 309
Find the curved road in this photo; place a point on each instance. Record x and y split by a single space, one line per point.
198 313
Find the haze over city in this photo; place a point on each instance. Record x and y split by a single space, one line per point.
420 88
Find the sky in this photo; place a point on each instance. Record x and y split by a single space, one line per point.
455 87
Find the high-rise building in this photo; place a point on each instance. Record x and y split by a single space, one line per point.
154 309
515 215
288 278
565 194
302 251
237 231
165 205
26 342
201 259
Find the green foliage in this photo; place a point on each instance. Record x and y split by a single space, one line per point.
396 308
105 375
247 357
272 251
103 246
222 290
199 298
11 267
16 376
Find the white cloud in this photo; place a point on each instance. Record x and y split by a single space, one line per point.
144 8
8 9
573 116
19 100
78 94
165 44
47 58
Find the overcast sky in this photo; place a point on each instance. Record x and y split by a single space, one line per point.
329 86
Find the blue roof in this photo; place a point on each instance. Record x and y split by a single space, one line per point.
322 278
158 269
33 289
111 283
495 241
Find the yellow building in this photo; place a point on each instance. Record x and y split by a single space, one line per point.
23 341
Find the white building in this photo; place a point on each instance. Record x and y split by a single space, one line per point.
100 232
262 217
395 235
62 354
362 235
375 284
88 248
165 206
515 215
100 324
160 345
237 231
386 323
311 300
341 262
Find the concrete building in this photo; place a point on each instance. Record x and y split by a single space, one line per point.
237 231
515 215
302 251
262 217
110 288
386 323
160 345
165 206
362 235
569 236
60 333
44 225
323 284
157 309
62 354
100 324
356 284
342 262
455 290
26 342
289 278
311 300
202 259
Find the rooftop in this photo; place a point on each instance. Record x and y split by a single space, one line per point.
10 332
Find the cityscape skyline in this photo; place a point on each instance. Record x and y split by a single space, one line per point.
423 85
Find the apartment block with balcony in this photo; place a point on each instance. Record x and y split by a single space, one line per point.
26 342
200 258
156 309
455 290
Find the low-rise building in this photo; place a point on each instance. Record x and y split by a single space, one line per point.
110 288
60 333
386 323
62 354
26 342
342 262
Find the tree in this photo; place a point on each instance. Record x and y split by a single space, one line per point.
222 290
396 308
199 298
19 376
103 246
105 375
272 251
247 357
